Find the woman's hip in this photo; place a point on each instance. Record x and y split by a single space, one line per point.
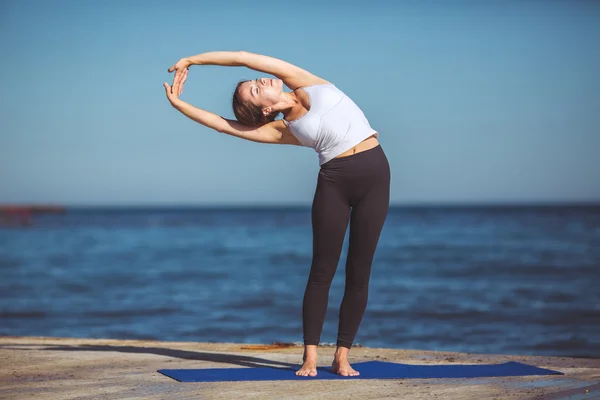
366 168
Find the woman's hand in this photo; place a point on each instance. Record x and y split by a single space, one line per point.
181 69
173 92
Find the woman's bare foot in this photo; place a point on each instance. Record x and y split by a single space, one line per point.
309 368
340 364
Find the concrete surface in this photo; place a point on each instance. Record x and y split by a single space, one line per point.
62 368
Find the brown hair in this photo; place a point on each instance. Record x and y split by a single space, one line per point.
248 113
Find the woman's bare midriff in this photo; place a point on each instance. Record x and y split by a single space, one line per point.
366 144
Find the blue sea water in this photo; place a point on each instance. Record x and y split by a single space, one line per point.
504 280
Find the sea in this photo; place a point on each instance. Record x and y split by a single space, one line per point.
521 280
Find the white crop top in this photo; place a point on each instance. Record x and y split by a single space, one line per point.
333 124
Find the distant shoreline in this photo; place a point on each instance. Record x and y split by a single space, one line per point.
43 208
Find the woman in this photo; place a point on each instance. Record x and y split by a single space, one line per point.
353 183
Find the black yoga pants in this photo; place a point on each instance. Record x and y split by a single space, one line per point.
354 188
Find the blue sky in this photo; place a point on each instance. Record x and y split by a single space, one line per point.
475 101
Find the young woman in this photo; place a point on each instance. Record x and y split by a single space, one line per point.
353 183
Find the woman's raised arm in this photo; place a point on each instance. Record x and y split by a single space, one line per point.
274 132
292 75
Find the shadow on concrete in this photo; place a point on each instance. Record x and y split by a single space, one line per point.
244 361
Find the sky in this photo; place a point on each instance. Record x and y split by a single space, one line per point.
474 101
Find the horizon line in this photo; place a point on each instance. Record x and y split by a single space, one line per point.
420 204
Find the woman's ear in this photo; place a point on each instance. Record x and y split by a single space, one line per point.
278 107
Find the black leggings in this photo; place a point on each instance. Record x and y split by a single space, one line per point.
355 188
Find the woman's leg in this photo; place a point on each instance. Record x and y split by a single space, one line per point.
330 215
366 223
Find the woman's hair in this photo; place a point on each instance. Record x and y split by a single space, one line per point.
248 113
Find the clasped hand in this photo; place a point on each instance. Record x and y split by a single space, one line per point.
181 70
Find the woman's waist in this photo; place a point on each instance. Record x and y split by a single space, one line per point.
369 158
367 144
329 148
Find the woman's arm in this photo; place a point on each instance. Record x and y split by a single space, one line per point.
275 132
292 75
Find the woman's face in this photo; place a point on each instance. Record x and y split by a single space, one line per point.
263 92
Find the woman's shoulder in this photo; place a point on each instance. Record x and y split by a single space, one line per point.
316 86
324 93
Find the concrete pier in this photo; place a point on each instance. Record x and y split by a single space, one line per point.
63 368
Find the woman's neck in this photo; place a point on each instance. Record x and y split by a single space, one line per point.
300 105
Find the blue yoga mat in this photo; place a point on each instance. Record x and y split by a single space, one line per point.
368 370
